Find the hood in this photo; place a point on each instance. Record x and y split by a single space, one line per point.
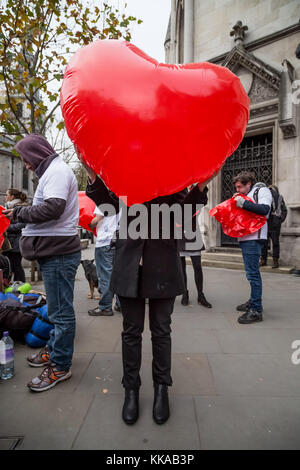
35 150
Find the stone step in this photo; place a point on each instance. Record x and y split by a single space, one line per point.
222 264
222 256
212 263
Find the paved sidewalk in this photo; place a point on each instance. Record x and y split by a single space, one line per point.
235 386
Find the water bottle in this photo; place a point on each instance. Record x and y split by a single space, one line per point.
2 356
8 360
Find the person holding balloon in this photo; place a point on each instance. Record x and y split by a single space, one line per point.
146 269
149 130
252 244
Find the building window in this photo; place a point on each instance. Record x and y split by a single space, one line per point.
25 178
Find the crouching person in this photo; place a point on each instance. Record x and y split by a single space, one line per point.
51 238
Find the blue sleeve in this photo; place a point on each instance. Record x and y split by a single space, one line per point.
260 209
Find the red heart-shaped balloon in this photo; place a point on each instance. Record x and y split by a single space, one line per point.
237 222
150 129
4 224
86 211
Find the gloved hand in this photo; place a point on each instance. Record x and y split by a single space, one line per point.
239 200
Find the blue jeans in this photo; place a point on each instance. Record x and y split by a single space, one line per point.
105 256
251 251
59 277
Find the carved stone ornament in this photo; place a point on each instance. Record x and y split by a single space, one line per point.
261 92
238 57
289 130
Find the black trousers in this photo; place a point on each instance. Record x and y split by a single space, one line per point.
133 311
15 259
274 236
198 273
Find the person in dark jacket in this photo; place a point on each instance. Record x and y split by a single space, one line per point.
277 217
51 237
192 247
145 268
14 198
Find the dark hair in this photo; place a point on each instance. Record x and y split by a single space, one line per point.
245 177
17 194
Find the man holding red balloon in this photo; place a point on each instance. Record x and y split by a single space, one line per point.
252 244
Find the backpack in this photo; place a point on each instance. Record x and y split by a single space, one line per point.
278 210
255 194
17 314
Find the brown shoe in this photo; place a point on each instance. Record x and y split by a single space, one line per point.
40 359
48 379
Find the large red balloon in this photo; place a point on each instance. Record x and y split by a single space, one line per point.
150 129
4 224
237 222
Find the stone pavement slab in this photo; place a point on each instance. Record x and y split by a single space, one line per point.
248 423
255 375
103 428
45 420
257 340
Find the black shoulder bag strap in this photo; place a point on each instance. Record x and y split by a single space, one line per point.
255 197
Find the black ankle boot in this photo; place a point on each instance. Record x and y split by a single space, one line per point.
161 410
202 300
130 411
185 298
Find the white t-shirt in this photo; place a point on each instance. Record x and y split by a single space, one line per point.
58 181
106 228
264 197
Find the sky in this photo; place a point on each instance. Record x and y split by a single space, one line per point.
150 35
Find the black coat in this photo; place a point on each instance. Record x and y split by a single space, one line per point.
160 275
193 242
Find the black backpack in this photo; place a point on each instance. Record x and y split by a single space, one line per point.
278 210
18 318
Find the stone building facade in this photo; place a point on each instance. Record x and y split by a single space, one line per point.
256 40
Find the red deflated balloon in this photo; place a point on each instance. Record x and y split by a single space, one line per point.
150 129
4 224
86 211
237 222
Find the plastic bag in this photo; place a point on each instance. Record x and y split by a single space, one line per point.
150 129
86 211
237 222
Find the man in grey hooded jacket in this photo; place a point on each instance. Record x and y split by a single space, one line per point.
51 237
